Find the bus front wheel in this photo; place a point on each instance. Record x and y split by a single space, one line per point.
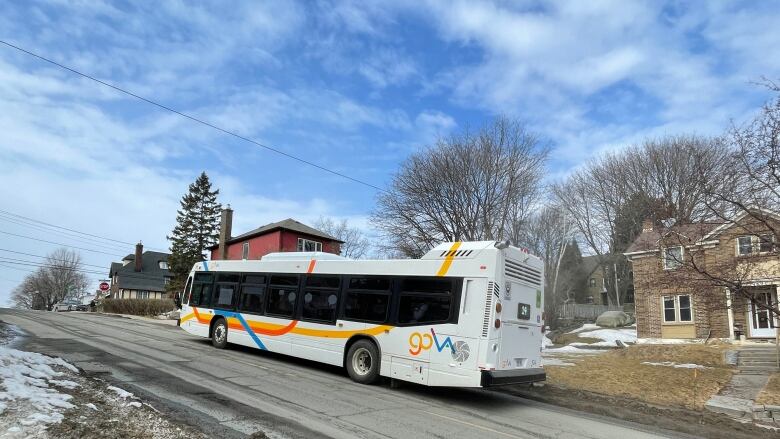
219 334
363 362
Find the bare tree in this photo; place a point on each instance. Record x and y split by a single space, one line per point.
356 245
470 186
59 275
609 198
549 234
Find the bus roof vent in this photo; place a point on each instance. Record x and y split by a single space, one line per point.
523 273
465 249
492 289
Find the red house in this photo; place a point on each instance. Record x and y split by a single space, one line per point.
283 236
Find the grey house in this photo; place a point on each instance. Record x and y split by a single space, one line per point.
143 275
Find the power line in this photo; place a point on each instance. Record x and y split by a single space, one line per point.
22 217
27 263
74 237
59 243
45 257
192 118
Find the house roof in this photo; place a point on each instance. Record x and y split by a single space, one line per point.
150 278
288 224
648 240
590 264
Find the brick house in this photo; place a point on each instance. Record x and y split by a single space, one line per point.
284 236
682 273
142 275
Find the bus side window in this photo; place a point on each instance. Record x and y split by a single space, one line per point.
201 290
252 298
282 295
425 301
320 299
225 290
367 299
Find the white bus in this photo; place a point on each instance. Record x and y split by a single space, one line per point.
466 314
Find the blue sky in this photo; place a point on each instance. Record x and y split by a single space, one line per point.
354 86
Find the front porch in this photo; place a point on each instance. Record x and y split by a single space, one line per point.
753 318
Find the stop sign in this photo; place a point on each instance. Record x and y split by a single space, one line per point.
104 286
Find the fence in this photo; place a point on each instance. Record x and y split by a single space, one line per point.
585 311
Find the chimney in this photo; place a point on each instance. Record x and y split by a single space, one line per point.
647 225
139 250
225 228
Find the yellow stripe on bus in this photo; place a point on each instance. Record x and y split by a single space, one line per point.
445 266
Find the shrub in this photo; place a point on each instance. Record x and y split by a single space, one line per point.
138 307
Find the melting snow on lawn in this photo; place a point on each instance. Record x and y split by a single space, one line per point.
673 364
26 380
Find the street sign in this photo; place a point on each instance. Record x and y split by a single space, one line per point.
104 286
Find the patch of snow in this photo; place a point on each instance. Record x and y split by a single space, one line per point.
25 382
124 394
585 327
92 406
546 341
677 365
135 404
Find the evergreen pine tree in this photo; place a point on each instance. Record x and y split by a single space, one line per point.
197 227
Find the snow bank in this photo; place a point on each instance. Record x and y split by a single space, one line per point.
678 365
585 327
124 394
26 379
552 361
546 341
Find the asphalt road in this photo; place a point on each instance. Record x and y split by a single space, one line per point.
238 391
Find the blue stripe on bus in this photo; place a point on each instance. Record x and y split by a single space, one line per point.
205 266
246 326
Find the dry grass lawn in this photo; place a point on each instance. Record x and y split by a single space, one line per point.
771 393
621 373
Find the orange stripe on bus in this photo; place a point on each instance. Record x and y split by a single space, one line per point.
311 265
445 266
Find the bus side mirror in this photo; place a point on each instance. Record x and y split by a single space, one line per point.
177 301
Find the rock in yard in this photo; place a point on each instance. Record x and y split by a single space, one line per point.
614 319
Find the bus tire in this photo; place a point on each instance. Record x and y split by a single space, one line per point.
363 362
219 333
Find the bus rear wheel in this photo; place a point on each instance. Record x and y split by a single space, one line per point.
363 362
219 334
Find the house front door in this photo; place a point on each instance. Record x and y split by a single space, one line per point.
763 322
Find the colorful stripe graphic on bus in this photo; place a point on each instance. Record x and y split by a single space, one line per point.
237 322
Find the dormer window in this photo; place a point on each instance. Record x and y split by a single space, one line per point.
163 265
673 257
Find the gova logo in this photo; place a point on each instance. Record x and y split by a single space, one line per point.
422 342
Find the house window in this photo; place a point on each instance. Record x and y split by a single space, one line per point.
763 243
678 309
673 257
306 245
142 295
245 251
766 243
167 280
592 282
744 245
163 265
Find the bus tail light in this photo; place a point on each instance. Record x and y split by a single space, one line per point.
498 323
498 307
